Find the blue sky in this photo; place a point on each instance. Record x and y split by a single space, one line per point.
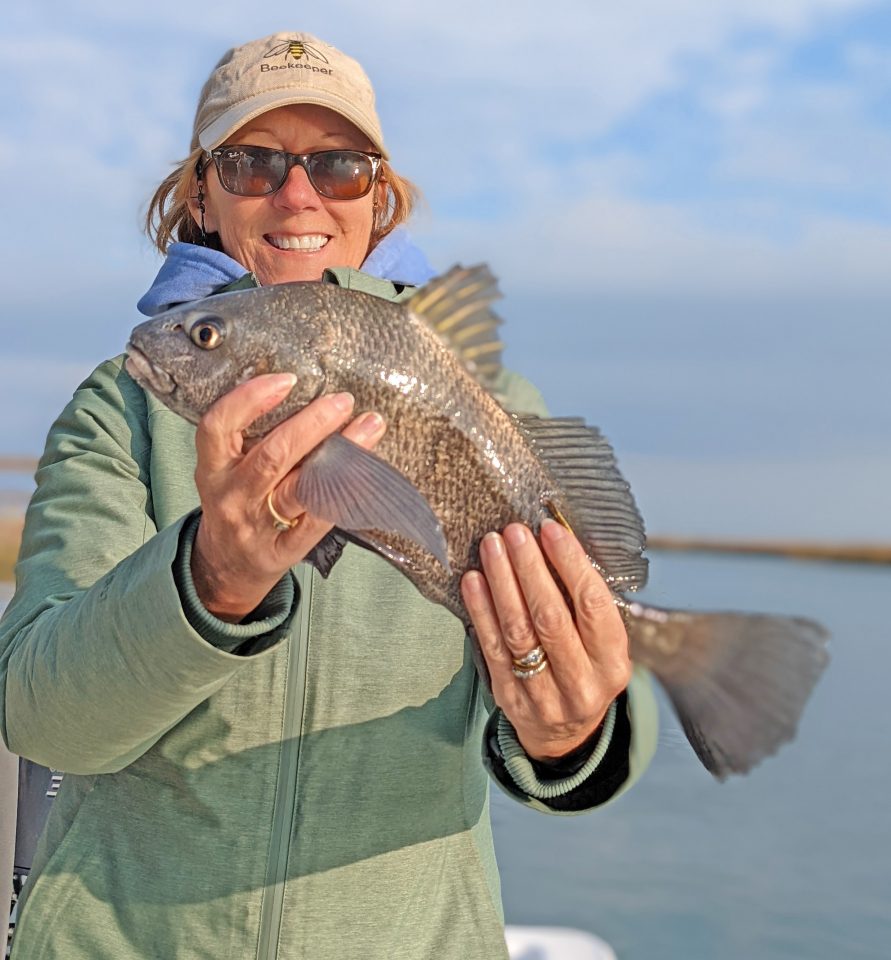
688 204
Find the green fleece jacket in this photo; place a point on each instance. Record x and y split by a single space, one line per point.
306 786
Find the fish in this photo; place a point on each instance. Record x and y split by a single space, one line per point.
455 464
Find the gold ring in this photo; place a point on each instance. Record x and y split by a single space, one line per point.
531 659
524 673
281 523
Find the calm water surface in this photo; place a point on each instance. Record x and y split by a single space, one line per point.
793 861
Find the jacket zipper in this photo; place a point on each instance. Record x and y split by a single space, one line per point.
286 784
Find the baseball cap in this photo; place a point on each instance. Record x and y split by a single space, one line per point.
277 70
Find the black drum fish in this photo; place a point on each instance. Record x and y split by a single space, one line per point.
454 464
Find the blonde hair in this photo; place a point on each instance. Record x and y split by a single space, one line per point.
168 217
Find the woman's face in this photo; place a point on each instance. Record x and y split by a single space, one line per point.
294 233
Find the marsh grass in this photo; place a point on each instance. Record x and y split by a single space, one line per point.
10 537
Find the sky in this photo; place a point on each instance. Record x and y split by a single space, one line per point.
687 203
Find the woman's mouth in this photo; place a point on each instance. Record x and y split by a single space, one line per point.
307 242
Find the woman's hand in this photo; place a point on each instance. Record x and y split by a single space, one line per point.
518 606
239 553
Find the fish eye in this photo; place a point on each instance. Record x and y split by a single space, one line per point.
207 333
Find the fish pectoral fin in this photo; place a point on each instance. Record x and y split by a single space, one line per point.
356 490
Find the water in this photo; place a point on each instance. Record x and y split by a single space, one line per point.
793 861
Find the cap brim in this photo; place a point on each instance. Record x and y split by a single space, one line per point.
237 116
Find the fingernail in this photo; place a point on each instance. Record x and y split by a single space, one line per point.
282 381
472 582
552 530
343 401
515 534
493 545
368 425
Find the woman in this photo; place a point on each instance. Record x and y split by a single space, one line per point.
259 762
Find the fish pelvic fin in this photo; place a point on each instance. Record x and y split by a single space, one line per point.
602 511
327 552
737 681
456 307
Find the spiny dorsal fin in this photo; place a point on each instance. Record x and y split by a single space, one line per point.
456 306
584 466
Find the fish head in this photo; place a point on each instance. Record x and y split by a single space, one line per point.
191 355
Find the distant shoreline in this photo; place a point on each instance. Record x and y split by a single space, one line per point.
872 553
794 549
10 536
15 464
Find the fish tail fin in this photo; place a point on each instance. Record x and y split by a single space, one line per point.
738 682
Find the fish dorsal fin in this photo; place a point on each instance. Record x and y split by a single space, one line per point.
584 466
456 306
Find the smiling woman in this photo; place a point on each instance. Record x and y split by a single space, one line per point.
261 761
339 114
278 222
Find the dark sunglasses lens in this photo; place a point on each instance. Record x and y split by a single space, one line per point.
341 174
251 172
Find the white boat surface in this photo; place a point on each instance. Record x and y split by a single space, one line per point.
555 943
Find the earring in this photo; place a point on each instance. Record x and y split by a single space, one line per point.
200 198
375 215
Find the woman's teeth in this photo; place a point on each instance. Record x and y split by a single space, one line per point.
308 241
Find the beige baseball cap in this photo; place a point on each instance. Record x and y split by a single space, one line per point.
278 70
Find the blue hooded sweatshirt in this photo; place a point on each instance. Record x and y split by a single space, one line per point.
191 272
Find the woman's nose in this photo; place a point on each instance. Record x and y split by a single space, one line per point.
297 193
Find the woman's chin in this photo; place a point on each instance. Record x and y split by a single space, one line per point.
294 266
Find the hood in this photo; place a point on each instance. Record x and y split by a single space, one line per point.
192 272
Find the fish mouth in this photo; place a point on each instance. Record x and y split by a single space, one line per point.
146 374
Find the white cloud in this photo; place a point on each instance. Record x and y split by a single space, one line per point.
810 135
614 243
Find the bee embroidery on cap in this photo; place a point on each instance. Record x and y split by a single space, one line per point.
297 49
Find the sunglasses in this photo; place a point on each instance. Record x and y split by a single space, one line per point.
259 171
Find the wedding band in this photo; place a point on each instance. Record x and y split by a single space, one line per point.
530 663
524 673
531 659
281 523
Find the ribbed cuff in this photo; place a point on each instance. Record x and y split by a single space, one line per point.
258 631
523 773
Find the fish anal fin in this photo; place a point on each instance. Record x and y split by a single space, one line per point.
327 552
